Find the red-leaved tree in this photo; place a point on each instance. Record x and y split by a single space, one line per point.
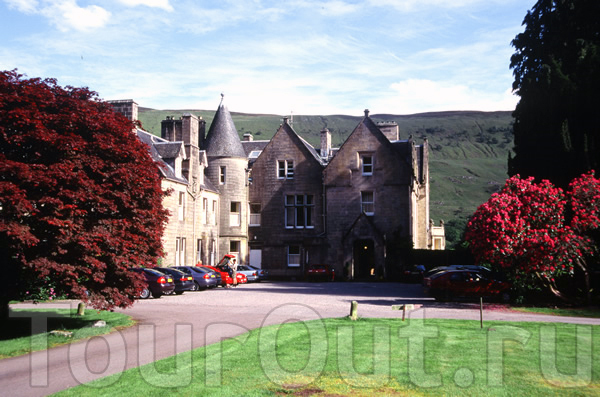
537 232
80 196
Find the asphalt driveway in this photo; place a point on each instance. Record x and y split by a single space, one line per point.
173 324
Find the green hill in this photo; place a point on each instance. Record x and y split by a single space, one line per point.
468 150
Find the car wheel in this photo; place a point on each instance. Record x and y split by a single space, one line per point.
196 286
178 292
157 295
145 294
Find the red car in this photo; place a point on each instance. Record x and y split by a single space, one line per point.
225 278
320 272
448 284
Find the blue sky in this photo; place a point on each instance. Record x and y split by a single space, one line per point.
278 57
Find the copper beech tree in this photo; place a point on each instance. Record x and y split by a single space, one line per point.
80 196
537 233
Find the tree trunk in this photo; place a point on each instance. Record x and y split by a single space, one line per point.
554 290
586 279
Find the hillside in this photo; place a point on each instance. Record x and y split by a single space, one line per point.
468 150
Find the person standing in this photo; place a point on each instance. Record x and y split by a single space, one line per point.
234 269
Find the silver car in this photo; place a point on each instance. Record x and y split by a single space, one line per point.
250 273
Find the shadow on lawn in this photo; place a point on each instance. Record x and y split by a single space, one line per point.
17 327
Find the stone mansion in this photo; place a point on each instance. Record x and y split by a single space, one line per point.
283 204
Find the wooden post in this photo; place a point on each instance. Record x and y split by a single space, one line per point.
403 312
354 311
81 309
481 311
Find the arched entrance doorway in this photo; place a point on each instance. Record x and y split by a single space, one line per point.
364 259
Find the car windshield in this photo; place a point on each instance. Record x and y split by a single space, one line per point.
172 271
154 272
199 270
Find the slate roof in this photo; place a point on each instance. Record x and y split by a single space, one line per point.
169 150
250 146
165 169
222 139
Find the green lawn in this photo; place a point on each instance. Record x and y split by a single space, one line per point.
20 337
593 312
377 357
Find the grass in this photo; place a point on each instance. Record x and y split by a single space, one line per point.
593 312
377 357
19 337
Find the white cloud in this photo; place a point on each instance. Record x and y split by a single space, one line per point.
414 95
68 15
164 4
332 8
26 6
65 14
415 5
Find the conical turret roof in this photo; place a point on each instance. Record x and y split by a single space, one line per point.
222 139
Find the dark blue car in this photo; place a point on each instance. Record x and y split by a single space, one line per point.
183 282
204 278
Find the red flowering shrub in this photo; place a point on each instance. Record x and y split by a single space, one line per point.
524 229
80 197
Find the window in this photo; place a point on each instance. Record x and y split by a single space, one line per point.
299 211
180 251
234 247
367 203
222 175
181 206
254 215
198 250
366 161
235 213
214 213
293 256
285 169
254 154
205 209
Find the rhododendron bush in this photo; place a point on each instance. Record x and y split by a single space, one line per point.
536 232
80 196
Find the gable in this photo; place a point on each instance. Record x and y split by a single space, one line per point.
392 162
287 145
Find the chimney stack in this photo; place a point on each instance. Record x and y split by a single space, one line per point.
325 143
127 107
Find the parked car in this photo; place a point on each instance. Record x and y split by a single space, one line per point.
413 274
320 272
251 274
158 283
454 283
456 267
226 278
262 273
203 277
183 282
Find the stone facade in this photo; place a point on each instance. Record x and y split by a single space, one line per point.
375 189
286 198
191 233
283 205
